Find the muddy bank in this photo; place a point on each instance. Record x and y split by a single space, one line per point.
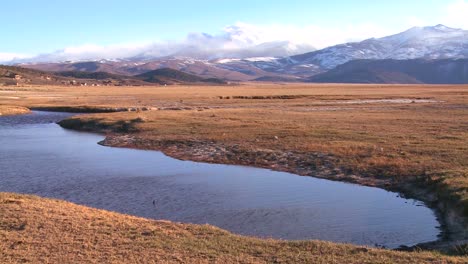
104 109
13 110
306 164
91 109
320 165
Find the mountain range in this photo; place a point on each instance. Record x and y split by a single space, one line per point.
441 71
411 48
13 75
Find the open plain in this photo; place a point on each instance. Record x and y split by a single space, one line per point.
408 138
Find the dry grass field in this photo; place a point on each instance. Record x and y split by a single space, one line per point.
409 138
38 230
13 110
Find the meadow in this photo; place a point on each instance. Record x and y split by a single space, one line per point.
408 138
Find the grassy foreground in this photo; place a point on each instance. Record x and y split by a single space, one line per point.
13 110
39 230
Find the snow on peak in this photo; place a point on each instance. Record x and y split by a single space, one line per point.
265 59
434 42
223 61
442 27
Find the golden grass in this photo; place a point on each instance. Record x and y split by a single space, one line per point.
374 139
13 110
38 230
398 142
425 141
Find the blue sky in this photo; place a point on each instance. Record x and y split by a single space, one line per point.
40 26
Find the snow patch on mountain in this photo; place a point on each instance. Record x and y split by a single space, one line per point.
437 42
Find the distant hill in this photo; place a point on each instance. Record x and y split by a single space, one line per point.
444 71
13 75
90 75
85 66
278 79
171 76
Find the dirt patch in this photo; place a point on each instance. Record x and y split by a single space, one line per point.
306 164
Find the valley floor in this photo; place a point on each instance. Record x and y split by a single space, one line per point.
409 138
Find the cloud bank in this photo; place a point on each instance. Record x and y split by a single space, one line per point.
456 14
242 40
12 56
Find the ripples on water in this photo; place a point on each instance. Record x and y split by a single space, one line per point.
39 157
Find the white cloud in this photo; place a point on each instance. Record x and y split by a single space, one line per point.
11 56
242 40
93 51
416 22
235 41
247 40
456 14
313 35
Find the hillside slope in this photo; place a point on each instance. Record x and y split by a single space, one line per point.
172 76
13 75
417 71
436 42
39 230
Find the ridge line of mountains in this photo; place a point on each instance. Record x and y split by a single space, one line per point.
13 75
423 55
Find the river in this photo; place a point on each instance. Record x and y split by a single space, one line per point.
39 157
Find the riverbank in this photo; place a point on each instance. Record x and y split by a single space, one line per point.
30 228
319 165
13 110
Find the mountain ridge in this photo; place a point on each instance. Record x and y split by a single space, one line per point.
14 75
415 71
434 42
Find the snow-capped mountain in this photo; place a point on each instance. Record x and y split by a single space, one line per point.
227 69
437 42
440 71
275 65
267 61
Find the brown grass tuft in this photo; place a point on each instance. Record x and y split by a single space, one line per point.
38 230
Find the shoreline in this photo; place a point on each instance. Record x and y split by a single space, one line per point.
191 152
9 110
319 165
40 230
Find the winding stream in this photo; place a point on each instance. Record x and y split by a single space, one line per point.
39 157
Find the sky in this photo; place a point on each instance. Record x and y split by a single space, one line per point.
110 28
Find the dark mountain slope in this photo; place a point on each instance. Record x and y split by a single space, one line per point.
13 75
90 75
437 42
171 76
445 71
